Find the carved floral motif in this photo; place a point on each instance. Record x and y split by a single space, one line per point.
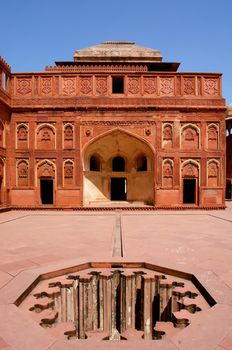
150 85
212 133
22 170
167 132
189 86
46 85
133 85
167 169
211 86
68 170
101 85
86 85
69 86
167 86
190 170
46 169
212 169
22 133
68 133
23 86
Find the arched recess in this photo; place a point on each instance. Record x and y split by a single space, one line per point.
190 136
212 136
167 179
45 136
167 135
22 133
45 181
22 175
68 172
213 173
190 179
68 135
119 184
2 134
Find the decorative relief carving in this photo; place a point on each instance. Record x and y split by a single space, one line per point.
190 134
213 173
101 85
46 169
168 173
167 132
69 87
68 169
46 85
190 137
133 85
22 132
46 134
86 86
88 132
46 137
148 132
68 136
167 86
190 170
22 170
150 85
189 86
23 86
211 86
117 122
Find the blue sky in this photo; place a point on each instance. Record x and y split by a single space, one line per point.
35 33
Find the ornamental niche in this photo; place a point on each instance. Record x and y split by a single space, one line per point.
190 137
190 170
68 136
212 136
68 173
22 136
46 168
22 172
46 137
167 136
213 174
168 173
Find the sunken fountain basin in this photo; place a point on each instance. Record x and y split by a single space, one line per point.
114 301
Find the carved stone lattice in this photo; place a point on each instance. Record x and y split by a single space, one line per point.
189 86
46 85
69 86
86 86
101 86
133 86
150 85
24 86
167 86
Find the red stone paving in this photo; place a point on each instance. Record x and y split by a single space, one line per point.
198 242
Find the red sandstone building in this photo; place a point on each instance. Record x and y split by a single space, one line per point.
115 124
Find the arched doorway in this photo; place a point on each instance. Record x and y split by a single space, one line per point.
46 176
124 171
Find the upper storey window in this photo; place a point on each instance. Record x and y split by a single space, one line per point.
117 85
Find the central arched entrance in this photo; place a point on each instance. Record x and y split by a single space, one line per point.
118 167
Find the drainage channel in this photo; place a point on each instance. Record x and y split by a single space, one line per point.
117 237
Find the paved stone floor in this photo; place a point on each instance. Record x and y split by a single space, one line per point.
198 242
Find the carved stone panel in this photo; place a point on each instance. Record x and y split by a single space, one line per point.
189 86
22 173
69 86
167 136
86 86
22 136
46 86
23 86
211 86
150 85
213 174
190 170
167 174
68 173
68 136
45 137
212 137
101 85
46 169
190 137
167 86
133 86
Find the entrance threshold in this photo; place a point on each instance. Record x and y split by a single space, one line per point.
117 204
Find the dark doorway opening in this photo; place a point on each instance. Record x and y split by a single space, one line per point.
117 85
46 191
189 191
118 164
228 189
118 189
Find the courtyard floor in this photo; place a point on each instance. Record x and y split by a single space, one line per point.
197 242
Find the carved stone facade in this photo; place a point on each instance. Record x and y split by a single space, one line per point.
112 126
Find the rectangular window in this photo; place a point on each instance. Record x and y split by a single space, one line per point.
117 85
